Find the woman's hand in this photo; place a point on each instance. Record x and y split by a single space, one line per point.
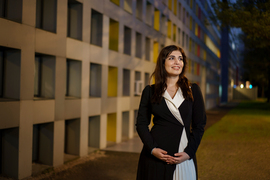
180 157
162 155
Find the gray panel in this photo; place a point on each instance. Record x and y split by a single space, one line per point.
10 152
72 136
96 28
94 131
95 80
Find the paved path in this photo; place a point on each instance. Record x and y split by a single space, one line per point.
118 162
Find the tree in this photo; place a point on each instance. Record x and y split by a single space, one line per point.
253 17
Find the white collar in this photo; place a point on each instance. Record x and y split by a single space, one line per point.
177 99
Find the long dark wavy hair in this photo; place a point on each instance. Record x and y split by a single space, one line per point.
160 75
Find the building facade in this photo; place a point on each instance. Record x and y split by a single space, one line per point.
71 72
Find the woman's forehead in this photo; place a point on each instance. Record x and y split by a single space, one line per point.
176 53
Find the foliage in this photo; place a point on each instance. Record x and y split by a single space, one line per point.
253 17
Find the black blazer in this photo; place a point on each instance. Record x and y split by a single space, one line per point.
166 132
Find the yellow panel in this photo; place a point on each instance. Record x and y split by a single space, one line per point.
170 4
196 29
113 33
210 44
169 33
117 2
190 23
112 81
175 7
155 51
111 127
191 4
204 55
156 20
195 68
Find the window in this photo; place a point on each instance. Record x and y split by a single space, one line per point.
174 32
94 132
147 48
73 79
44 84
10 65
128 6
164 24
184 15
138 45
96 28
74 20
169 29
138 84
72 136
148 18
11 10
46 15
95 80
117 2
155 51
139 9
183 39
112 81
156 20
113 35
179 10
127 40
179 36
43 143
146 79
170 4
175 7
126 82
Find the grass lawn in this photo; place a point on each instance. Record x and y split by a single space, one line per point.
238 146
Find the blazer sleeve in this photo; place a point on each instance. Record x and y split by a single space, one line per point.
198 122
144 119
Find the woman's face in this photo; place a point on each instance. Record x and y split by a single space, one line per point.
174 63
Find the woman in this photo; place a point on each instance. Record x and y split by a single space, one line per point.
179 119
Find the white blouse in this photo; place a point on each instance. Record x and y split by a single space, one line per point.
186 169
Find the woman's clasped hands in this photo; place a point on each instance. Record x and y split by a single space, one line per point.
176 159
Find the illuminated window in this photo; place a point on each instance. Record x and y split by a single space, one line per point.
113 35
196 29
